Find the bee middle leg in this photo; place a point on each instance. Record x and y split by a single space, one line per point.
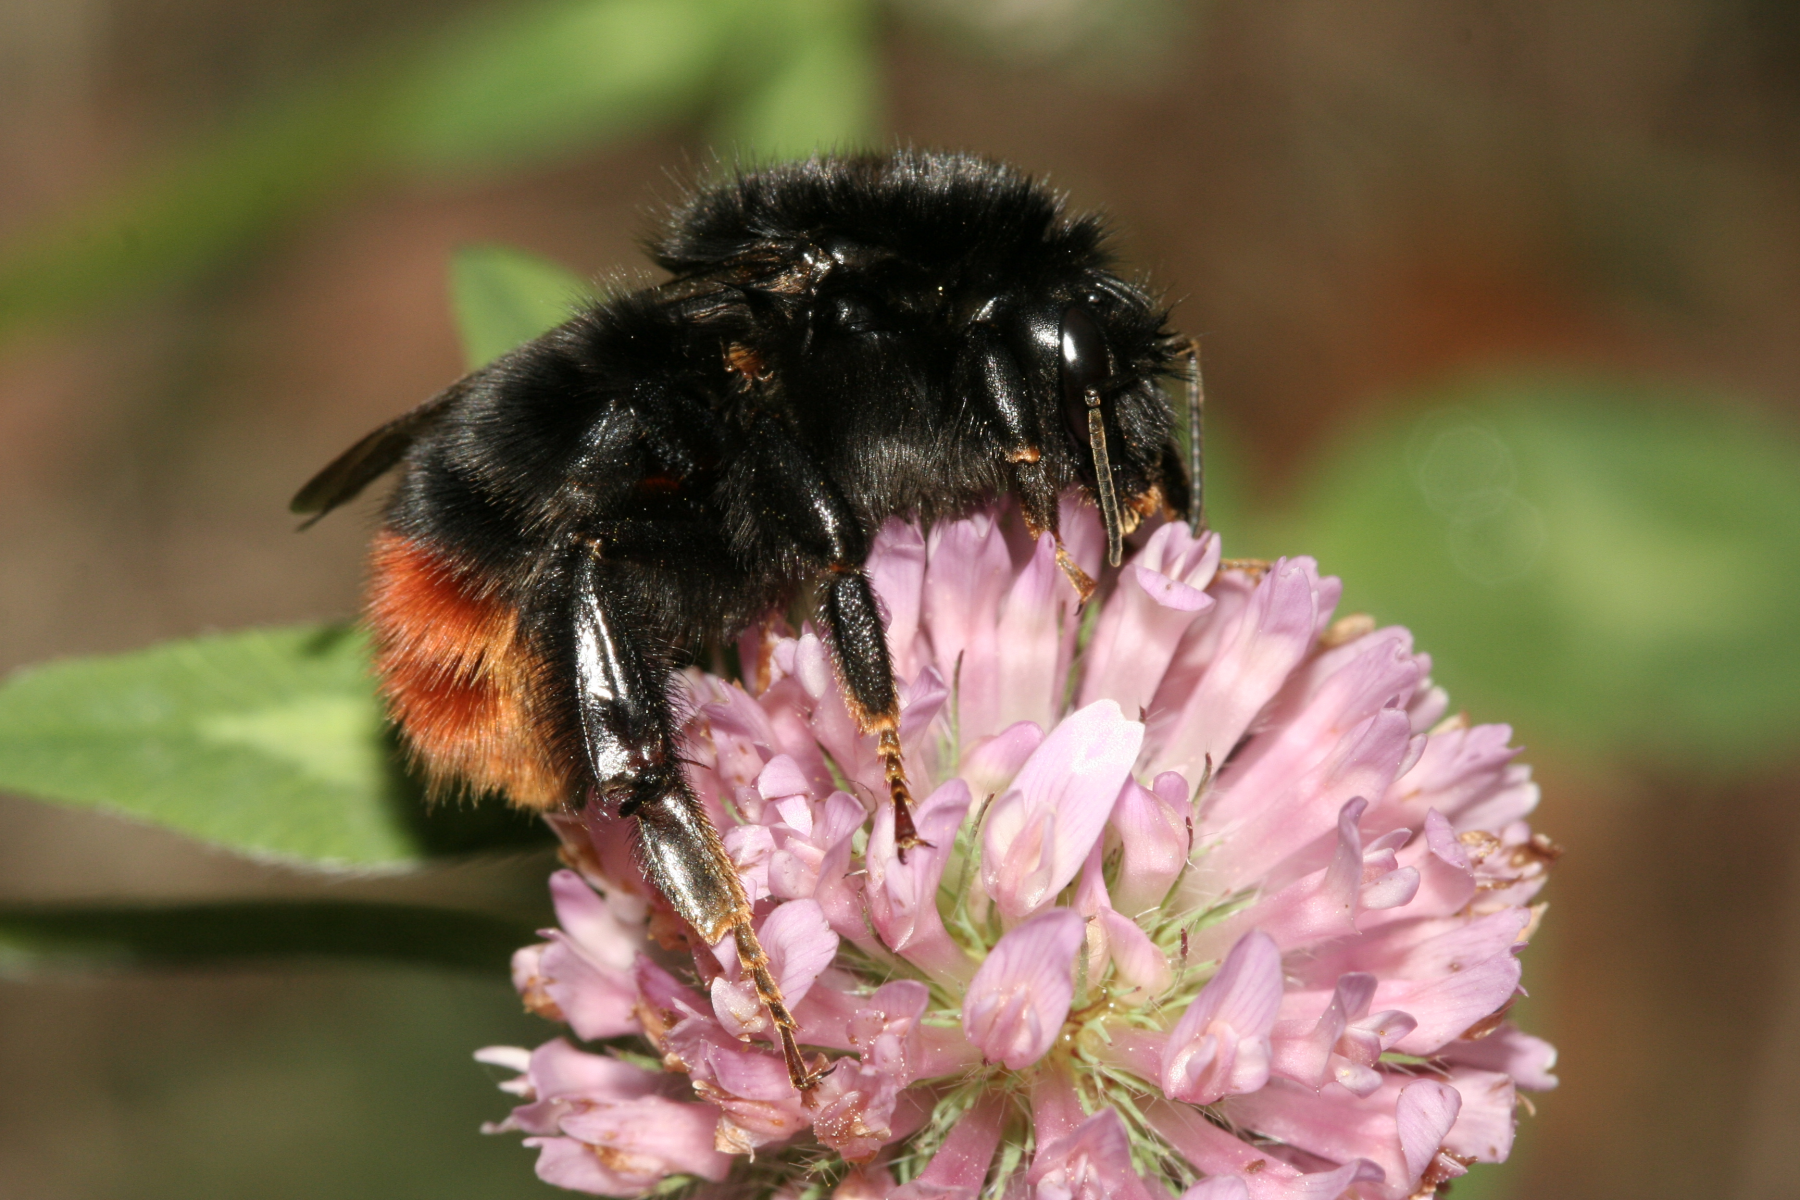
869 678
796 502
628 735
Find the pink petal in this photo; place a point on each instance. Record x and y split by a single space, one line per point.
1266 1177
1446 882
1153 835
1221 1044
756 651
1290 825
737 1007
1301 1048
1159 594
800 944
1198 647
853 1110
831 726
753 1092
1016 1004
1394 889
630 1146
1484 1122
1094 1160
1317 907
1325 712
513 1058
1428 707
567 1163
591 924
1338 1126
922 701
1218 1187
559 1071
1135 957
865 1183
896 570
788 710
1468 775
796 861
968 570
750 847
991 763
559 1078
1344 1044
1038 834
1138 1051
595 1001
812 664
885 1029
1055 1105
1082 535
1433 949
782 777
1091 901
902 896
824 1016
1420 949
840 895
1527 1059
1445 1007
1423 1116
1265 641
1090 890
958 1169
663 993
1037 631
1378 670
745 734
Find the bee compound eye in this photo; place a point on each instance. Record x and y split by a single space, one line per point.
1085 366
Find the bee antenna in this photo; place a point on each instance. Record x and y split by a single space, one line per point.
1196 414
1103 479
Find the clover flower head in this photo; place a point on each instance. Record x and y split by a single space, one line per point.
1217 902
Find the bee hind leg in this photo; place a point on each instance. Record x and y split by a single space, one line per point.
627 733
683 856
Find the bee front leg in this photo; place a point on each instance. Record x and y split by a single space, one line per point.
627 731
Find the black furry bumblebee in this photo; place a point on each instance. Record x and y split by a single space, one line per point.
842 340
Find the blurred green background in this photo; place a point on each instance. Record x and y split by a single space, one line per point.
1499 303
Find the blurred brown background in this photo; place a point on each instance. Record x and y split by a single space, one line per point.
1352 201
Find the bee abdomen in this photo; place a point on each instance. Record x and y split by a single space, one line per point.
458 676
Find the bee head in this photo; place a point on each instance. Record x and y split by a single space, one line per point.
1100 351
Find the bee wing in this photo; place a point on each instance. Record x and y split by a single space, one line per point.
360 465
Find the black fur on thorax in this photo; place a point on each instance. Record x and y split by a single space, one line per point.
864 288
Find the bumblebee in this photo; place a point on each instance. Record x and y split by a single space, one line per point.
840 341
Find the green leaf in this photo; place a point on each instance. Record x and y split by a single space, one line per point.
1610 566
270 742
816 86
539 81
495 89
44 936
198 205
505 297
